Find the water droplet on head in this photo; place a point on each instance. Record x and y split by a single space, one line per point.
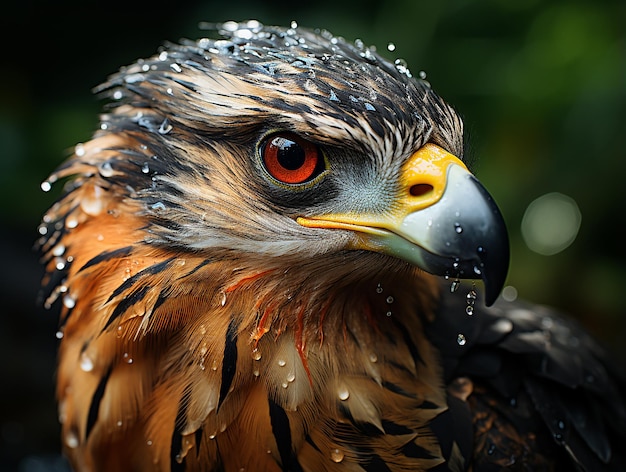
343 393
230 26
46 186
391 47
256 354
469 309
336 455
134 78
294 24
79 150
460 339
59 334
105 169
379 289
127 358
281 362
165 127
458 228
373 357
402 67
389 299
145 168
158 206
422 75
291 376
388 314
284 385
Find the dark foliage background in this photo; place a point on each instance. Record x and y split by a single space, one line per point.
541 85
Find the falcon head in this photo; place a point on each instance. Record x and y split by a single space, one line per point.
293 146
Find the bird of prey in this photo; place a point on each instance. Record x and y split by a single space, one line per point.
258 260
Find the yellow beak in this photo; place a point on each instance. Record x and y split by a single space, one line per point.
442 220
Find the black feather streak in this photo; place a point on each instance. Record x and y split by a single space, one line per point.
153 269
282 434
96 399
375 464
128 301
107 256
176 465
229 365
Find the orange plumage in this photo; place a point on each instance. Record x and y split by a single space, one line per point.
240 256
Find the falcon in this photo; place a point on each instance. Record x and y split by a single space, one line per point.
271 256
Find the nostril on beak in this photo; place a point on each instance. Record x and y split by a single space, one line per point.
419 190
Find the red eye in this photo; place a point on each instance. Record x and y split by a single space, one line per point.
291 159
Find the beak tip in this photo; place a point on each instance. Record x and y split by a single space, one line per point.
495 272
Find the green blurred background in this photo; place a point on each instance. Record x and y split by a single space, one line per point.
541 85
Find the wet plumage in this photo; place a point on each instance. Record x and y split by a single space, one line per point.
241 258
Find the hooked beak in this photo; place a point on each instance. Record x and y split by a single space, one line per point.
442 220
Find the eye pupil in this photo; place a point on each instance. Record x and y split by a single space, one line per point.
290 155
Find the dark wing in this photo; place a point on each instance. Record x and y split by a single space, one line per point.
543 394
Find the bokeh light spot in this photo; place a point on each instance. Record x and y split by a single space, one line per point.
509 293
551 223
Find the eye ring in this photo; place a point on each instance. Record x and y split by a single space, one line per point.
290 159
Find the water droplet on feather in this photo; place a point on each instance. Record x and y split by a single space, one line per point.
69 302
86 363
336 455
71 440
